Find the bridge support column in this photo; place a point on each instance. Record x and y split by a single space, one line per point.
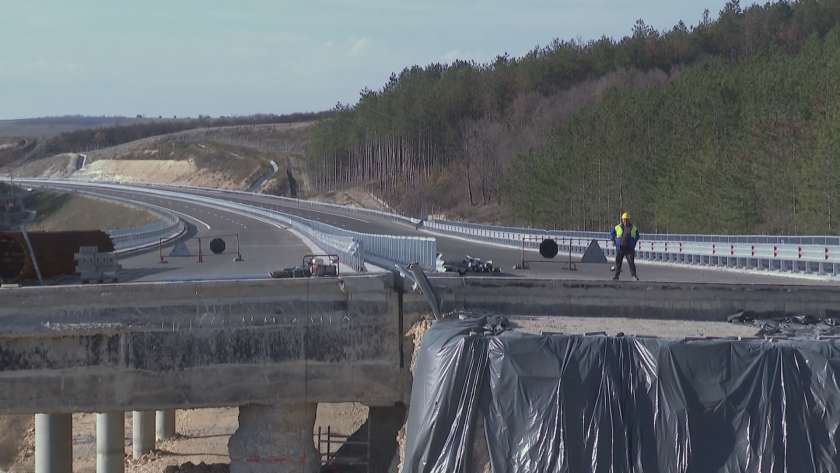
144 432
165 424
275 439
53 443
110 442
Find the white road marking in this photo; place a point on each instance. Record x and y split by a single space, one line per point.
180 213
292 208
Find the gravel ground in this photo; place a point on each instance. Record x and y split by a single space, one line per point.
200 445
615 325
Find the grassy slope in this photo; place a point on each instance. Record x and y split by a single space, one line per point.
57 211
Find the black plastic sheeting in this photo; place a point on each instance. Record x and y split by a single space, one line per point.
573 403
783 324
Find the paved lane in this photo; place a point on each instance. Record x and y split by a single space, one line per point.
264 246
506 258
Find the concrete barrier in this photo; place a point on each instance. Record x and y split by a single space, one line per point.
146 347
643 300
276 348
200 344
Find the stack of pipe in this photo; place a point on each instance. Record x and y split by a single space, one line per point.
54 252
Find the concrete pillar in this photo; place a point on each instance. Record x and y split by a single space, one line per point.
110 442
144 432
165 424
275 439
53 443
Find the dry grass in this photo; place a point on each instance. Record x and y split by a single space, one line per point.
351 198
58 166
270 140
57 211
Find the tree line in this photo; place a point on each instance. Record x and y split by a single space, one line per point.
94 138
705 128
752 147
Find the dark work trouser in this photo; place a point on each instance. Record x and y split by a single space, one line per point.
631 260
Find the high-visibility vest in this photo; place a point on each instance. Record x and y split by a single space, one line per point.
619 230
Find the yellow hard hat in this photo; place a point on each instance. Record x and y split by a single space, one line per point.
625 215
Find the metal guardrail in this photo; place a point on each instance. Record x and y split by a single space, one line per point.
663 237
350 245
128 239
405 250
780 253
800 258
350 251
773 253
291 201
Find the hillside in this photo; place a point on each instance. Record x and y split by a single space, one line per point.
748 147
573 133
52 126
232 157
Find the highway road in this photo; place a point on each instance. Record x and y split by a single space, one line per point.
264 246
506 258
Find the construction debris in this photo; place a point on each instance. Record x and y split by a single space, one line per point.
313 265
93 265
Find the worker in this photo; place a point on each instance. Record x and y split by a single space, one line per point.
625 236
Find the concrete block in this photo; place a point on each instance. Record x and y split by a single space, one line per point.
274 438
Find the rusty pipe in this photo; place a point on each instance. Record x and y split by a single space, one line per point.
54 251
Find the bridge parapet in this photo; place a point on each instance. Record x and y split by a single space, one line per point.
187 345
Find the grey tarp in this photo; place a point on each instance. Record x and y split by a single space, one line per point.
574 403
782 324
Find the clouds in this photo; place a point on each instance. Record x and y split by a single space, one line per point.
347 47
360 46
451 56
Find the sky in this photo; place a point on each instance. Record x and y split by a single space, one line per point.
209 57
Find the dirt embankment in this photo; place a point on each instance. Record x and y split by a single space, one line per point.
351 198
58 166
232 157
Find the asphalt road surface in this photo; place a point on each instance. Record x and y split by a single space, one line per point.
506 258
264 246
